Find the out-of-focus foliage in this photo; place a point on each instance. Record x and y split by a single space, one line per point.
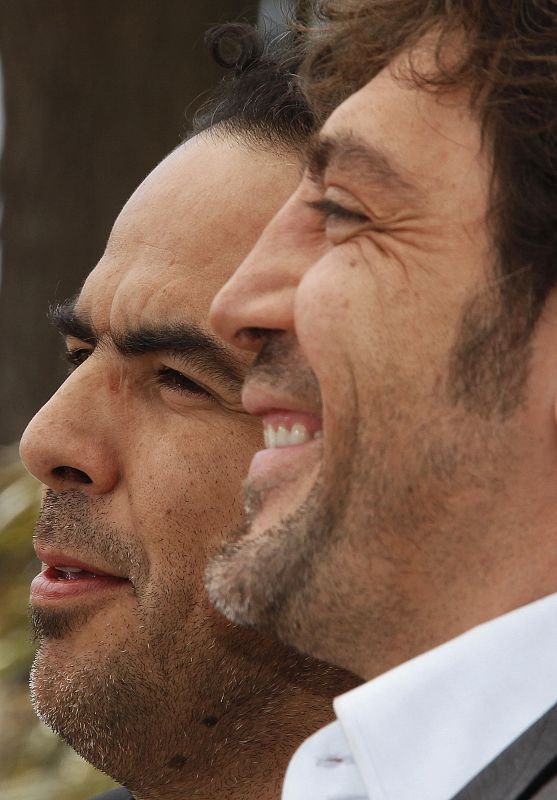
34 763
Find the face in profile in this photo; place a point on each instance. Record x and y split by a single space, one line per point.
389 508
142 451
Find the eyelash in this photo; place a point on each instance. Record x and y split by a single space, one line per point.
178 382
77 356
170 378
329 210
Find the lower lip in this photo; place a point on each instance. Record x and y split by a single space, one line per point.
281 462
48 587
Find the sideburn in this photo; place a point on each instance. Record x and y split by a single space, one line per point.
490 358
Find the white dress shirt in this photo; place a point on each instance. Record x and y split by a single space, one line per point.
423 730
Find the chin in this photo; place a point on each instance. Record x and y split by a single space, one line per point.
98 706
257 580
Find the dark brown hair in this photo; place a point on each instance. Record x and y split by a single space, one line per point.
509 64
260 98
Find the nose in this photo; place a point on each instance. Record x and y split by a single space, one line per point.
66 444
259 297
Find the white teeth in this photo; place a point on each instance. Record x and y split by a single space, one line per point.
299 434
270 437
69 569
282 437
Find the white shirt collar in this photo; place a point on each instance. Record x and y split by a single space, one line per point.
423 730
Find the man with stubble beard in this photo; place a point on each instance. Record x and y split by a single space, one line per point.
403 306
142 451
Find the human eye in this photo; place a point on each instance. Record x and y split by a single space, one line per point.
76 355
331 212
339 222
176 381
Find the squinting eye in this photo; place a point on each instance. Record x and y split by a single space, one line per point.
173 379
77 356
330 211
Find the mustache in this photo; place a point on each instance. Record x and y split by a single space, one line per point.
280 365
72 522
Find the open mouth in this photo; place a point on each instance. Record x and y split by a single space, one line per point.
286 422
288 433
59 581
64 573
290 429
293 447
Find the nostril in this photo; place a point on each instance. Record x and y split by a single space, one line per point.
249 337
72 474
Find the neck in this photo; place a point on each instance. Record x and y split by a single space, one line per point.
246 752
244 779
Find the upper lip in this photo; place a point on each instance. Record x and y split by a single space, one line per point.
259 400
57 558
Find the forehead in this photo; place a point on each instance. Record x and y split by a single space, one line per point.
434 139
184 231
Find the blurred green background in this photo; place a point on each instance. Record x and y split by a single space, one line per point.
34 763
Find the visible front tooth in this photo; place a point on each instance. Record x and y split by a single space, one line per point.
270 437
283 437
299 434
69 569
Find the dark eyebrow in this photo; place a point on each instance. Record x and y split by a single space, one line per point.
69 323
186 340
353 155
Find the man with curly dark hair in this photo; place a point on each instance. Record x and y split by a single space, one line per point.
142 451
403 306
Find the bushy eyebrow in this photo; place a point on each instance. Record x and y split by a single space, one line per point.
186 340
69 323
359 158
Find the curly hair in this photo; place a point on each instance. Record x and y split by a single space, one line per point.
261 97
509 65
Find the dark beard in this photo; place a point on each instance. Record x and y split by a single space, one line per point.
256 582
48 624
98 713
70 520
65 522
245 594
117 702
393 483
266 583
155 702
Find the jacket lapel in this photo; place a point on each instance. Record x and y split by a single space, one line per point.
522 770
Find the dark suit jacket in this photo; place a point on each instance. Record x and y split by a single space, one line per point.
525 770
114 794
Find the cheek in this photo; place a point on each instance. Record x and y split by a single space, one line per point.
187 499
334 305
358 312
